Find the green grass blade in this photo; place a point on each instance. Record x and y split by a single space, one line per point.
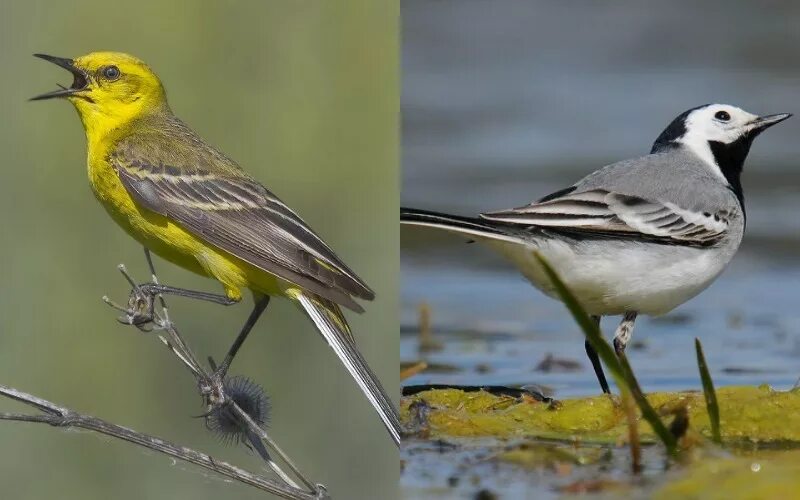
619 368
708 390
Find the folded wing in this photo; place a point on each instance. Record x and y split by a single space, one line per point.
601 212
238 215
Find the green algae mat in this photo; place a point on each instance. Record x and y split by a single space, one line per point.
580 446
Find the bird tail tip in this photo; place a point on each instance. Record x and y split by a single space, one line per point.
331 324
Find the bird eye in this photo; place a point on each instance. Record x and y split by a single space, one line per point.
722 116
111 72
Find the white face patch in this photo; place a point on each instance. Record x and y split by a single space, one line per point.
716 122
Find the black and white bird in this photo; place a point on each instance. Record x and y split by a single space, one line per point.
640 236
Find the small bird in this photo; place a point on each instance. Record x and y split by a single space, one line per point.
640 236
195 207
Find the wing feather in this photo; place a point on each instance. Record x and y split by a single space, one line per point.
603 212
238 215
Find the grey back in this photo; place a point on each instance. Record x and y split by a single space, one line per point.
676 175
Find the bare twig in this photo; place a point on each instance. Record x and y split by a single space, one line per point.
142 312
427 342
262 434
412 369
60 416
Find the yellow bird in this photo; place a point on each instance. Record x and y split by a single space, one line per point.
195 207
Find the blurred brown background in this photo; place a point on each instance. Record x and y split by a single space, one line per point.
304 95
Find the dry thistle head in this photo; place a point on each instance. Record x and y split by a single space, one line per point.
251 398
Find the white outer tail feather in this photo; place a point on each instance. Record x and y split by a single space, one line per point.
355 364
481 229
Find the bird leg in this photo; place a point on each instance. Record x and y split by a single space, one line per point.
595 359
624 333
140 310
155 289
258 309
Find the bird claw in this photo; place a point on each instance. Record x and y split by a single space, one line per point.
140 310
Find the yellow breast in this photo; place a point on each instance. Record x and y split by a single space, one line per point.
160 234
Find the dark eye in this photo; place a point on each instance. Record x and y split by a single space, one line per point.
722 116
111 72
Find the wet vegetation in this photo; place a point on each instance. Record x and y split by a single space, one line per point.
742 440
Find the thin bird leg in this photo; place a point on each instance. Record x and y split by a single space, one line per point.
595 359
174 341
158 289
624 332
140 310
258 309
149 258
155 288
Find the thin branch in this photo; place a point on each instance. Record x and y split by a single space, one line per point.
213 389
262 434
142 313
59 416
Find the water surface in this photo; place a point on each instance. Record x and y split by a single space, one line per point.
506 102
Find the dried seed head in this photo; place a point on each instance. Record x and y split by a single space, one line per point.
251 398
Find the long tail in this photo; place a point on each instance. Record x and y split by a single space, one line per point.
472 226
330 323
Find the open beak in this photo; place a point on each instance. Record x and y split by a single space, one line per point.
764 122
79 83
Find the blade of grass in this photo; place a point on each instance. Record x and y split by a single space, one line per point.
708 390
633 433
619 367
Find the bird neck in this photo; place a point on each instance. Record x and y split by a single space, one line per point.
729 159
673 133
104 124
726 161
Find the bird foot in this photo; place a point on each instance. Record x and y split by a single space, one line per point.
212 387
140 310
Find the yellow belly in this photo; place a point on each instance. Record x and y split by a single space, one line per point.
171 242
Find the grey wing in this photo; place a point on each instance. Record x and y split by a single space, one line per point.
602 212
238 215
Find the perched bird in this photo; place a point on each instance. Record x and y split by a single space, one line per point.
639 236
195 207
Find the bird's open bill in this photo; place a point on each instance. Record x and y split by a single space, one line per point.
79 82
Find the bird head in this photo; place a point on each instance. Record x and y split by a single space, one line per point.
719 134
108 89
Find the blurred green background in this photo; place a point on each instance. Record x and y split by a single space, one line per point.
304 95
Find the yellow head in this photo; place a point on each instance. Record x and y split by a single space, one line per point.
109 90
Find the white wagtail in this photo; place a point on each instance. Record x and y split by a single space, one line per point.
638 236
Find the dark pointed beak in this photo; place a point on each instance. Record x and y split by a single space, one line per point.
764 122
79 82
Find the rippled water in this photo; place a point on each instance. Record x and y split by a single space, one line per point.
506 102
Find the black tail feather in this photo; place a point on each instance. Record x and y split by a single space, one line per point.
474 226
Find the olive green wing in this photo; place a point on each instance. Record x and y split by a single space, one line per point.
235 213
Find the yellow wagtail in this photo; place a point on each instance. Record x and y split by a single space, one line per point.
196 208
